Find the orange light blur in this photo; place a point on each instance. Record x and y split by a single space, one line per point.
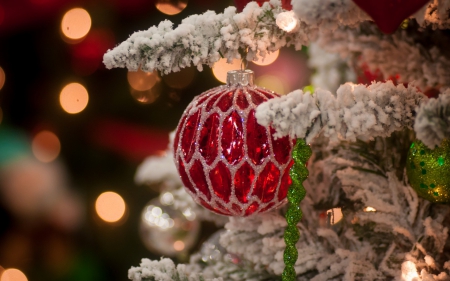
146 97
73 98
171 7
335 215
272 83
76 23
178 245
46 146
369 209
269 58
2 78
142 81
181 79
221 68
12 274
110 206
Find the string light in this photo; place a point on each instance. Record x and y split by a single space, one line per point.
269 58
110 206
221 68
171 7
46 146
334 215
409 271
369 209
76 23
13 274
287 21
74 98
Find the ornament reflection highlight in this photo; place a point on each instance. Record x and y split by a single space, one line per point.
166 230
287 21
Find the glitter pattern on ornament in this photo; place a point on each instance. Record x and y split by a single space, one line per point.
428 171
229 163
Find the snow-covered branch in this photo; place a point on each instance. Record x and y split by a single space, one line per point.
357 111
164 270
204 39
433 120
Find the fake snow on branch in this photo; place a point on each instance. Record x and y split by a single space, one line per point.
433 120
357 111
163 270
204 39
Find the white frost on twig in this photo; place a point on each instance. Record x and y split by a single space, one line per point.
357 111
164 270
204 39
433 120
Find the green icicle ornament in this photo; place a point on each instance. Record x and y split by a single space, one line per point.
296 193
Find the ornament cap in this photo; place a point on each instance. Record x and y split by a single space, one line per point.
240 77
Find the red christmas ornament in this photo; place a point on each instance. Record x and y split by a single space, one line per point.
388 14
227 161
240 4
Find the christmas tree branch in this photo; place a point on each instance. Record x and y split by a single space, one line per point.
164 270
204 39
355 112
433 120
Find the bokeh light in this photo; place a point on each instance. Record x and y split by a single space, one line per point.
334 215
12 274
268 59
369 209
110 206
287 21
171 7
76 23
2 78
142 81
273 83
178 245
221 68
181 79
46 146
74 98
147 97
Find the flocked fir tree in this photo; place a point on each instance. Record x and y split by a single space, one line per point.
376 147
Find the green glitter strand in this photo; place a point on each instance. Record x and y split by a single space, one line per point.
296 193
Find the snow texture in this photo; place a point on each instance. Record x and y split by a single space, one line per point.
356 111
433 120
204 39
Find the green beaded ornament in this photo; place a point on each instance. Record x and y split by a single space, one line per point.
428 171
296 193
